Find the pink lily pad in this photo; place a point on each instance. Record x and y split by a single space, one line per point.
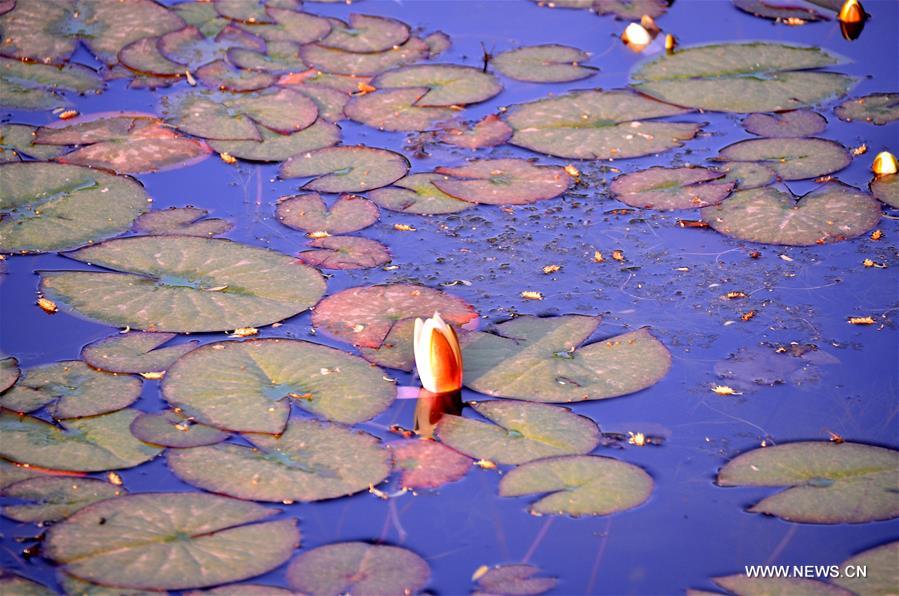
503 182
350 213
345 252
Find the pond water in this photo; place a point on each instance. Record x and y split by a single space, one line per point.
671 279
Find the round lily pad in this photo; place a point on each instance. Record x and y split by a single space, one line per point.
345 252
550 63
366 34
330 101
438 43
18 140
309 213
792 159
831 213
48 207
56 497
346 169
310 461
776 12
876 108
95 128
106 26
31 30
828 483
503 182
245 590
143 56
518 579
578 485
796 123
9 372
427 464
34 86
10 583
446 84
184 284
880 563
358 568
743 77
746 174
630 10
222 76
249 386
598 125
80 445
417 194
522 432
170 541
671 188
490 131
71 389
336 61
743 585
395 110
252 11
11 473
74 586
171 429
135 352
279 147
886 189
181 221
539 359
290 25
279 57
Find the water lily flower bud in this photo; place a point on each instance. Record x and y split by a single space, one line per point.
636 36
852 12
438 357
884 164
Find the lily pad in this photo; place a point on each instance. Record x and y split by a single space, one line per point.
310 461
503 182
549 63
245 590
671 188
743 77
880 563
876 108
350 213
831 213
369 64
252 11
191 48
330 101
56 498
11 473
795 123
290 25
417 194
427 464
598 125
18 140
31 31
346 169
9 372
11 583
395 110
446 84
538 359
250 386
135 352
279 57
522 432
222 76
171 429
358 568
96 128
90 444
184 284
71 389
438 43
514 579
181 221
630 10
279 147
828 483
885 188
366 34
34 86
746 174
776 12
170 541
144 56
490 131
578 485
345 252
742 585
792 159
78 587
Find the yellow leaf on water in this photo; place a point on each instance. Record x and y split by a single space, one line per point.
861 320
479 573
403 228
724 390
551 269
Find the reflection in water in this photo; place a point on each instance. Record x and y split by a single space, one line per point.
431 407
851 31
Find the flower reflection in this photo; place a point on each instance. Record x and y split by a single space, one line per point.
431 407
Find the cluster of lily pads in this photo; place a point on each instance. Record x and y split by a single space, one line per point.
273 419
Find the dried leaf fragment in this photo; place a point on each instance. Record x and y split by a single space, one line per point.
724 390
403 228
861 320
736 295
618 255
876 235
875 264
597 257
551 269
532 295
245 332
228 158
154 375
47 305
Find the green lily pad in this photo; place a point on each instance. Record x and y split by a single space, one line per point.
549 63
335 61
886 189
245 590
350 213
290 25
578 485
252 11
490 131
71 389
358 568
396 110
503 182
249 386
746 174
170 541
181 221
880 563
330 101
427 464
365 315
222 76
310 461
35 86
18 140
792 159
279 147
779 13
73 586
630 10
445 84
876 108
191 48
144 56
598 125
345 252
346 169
828 483
32 31
438 43
522 432
671 188
743 585
171 429
396 349
11 583
11 473
9 372
417 194
135 352
96 128
110 25
279 57
514 579
832 213
366 34
538 359
743 77
184 284
56 498
90 444
795 123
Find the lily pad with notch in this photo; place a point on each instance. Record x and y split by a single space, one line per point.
340 62
490 131
671 188
417 194
143 56
55 498
309 461
886 189
184 284
444 84
290 25
279 147
346 168
366 34
791 158
827 482
503 181
222 76
395 110
549 63
795 123
879 563
746 174
521 579
345 252
308 213
18 141
426 464
135 352
36 86
171 429
181 221
876 108
279 57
